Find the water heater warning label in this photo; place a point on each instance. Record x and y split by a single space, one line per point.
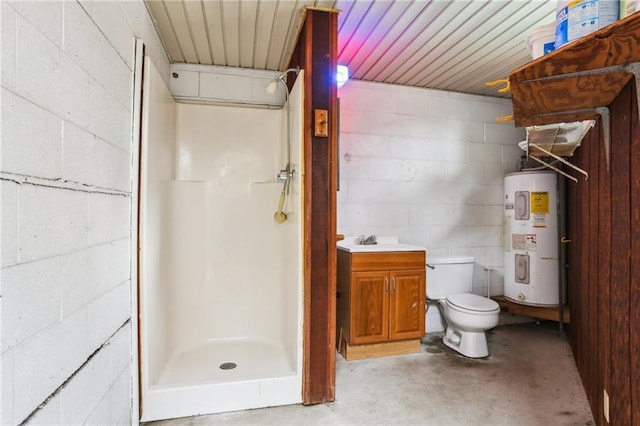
540 221
524 242
539 202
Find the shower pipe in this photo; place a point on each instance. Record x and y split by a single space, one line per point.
287 174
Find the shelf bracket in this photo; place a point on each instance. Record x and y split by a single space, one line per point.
560 159
555 169
633 68
604 119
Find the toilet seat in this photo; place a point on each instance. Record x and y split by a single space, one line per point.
472 304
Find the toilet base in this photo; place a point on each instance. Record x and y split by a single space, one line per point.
468 343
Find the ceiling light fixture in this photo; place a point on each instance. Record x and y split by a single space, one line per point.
342 75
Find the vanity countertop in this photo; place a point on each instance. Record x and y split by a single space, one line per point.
384 244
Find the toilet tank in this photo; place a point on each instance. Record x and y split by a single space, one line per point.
449 275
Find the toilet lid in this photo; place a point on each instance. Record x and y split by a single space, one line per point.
473 302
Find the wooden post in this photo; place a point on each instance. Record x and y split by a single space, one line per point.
316 54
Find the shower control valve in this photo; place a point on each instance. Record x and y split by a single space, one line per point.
285 174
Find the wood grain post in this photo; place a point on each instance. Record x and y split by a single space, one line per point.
316 53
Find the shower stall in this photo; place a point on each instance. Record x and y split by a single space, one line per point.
221 282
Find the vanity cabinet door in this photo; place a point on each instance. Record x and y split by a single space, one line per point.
407 304
369 307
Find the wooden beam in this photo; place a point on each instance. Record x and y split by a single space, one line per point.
316 54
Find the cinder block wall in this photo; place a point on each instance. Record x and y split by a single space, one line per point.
66 161
427 166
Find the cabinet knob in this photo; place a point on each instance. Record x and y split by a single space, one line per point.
386 285
394 285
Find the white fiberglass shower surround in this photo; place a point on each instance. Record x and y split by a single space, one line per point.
220 281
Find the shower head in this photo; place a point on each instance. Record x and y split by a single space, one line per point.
280 217
272 87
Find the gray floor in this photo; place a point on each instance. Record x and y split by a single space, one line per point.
529 379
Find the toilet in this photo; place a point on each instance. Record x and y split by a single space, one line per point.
468 316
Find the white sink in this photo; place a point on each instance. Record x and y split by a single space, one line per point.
384 244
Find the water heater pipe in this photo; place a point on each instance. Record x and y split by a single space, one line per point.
488 271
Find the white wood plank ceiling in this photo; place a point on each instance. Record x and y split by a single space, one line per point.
454 45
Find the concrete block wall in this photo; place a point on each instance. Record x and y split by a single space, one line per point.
65 170
427 166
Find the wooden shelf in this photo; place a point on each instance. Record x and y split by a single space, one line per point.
541 312
569 83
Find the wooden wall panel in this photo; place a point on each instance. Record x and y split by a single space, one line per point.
593 310
584 266
573 249
620 256
603 217
634 298
603 279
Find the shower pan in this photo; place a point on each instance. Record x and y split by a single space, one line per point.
220 281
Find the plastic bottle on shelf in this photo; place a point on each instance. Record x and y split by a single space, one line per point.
577 18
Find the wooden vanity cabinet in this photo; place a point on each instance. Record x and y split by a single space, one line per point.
381 303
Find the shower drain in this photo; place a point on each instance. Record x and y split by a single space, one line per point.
228 365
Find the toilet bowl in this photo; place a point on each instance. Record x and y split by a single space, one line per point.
467 323
468 316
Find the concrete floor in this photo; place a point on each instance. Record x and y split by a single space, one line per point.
529 379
